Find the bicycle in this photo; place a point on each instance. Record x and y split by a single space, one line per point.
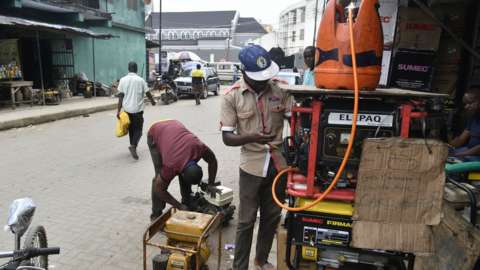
35 251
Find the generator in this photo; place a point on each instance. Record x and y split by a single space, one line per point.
320 127
186 245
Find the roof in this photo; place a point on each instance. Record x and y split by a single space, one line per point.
36 25
197 19
249 25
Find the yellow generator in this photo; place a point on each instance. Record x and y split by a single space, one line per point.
185 247
322 235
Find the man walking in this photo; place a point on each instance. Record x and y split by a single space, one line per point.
132 90
198 83
175 152
255 108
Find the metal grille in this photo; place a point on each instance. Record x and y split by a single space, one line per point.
63 67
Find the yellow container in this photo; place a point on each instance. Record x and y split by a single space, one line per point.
186 226
328 207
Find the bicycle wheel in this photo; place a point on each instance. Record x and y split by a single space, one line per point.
36 238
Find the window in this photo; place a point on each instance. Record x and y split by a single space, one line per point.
302 34
302 15
132 4
294 21
293 36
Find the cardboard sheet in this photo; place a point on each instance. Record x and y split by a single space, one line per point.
399 194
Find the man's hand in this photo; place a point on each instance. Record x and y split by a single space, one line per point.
212 190
262 138
183 207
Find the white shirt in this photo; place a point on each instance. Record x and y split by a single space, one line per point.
134 87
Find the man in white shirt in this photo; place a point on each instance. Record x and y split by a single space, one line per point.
132 90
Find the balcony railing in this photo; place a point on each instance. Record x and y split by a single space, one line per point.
93 4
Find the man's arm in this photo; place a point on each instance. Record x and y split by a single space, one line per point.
161 188
232 139
120 102
150 97
210 158
474 151
461 140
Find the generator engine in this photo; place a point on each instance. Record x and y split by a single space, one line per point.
320 131
377 118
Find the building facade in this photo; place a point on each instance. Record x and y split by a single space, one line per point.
297 25
212 35
67 53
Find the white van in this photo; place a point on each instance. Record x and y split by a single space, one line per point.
225 70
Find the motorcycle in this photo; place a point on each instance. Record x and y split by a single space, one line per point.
35 251
167 87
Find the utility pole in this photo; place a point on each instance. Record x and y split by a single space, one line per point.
315 24
160 38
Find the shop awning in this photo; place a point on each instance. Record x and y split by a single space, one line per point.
36 25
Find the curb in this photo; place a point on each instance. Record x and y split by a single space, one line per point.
35 120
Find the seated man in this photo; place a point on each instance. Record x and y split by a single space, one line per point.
175 152
467 146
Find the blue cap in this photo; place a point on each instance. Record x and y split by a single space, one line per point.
257 63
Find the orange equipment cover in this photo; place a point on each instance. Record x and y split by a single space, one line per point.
333 58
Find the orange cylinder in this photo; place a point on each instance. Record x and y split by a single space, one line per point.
333 68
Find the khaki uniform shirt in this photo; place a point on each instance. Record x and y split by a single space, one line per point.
246 112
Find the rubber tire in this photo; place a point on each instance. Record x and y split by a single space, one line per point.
32 234
218 90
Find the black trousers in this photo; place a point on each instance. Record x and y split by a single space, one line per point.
135 128
158 205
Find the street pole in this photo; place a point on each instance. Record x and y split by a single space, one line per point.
315 24
160 39
40 65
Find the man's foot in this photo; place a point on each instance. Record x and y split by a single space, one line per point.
133 152
264 266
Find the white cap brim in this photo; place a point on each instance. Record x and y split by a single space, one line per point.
264 75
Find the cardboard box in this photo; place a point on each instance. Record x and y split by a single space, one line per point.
281 251
416 30
399 194
413 69
445 79
456 244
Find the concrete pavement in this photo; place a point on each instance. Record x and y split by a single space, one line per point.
24 116
92 197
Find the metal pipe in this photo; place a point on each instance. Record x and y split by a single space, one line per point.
160 39
41 67
315 24
94 71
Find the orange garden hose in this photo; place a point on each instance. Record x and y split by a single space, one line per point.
350 139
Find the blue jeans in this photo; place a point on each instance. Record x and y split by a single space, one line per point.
453 151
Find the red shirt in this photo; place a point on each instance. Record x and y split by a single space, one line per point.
176 145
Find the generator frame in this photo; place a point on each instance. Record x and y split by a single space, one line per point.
158 225
407 109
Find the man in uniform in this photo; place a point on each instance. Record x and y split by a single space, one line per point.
198 83
252 116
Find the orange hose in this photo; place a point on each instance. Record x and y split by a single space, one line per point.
350 139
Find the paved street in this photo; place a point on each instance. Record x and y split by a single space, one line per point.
92 197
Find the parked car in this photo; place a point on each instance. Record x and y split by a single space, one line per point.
226 69
184 82
292 78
